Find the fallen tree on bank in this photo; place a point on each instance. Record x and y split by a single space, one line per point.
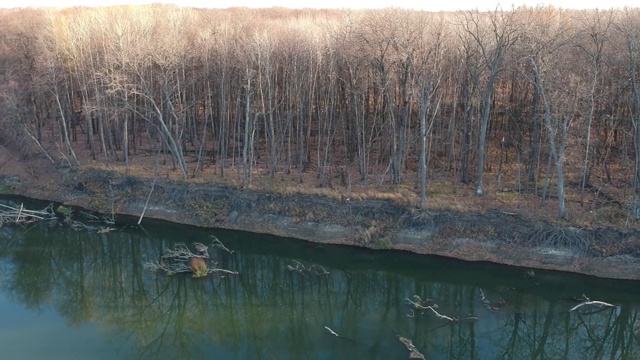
15 214
18 214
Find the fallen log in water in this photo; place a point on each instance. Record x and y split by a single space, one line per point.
180 259
413 351
18 214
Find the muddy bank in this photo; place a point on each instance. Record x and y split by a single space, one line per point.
493 236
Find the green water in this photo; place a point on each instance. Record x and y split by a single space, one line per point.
67 294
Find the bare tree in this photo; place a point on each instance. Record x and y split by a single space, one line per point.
428 65
547 41
392 94
630 29
493 33
595 33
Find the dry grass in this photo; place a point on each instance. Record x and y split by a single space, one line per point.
445 193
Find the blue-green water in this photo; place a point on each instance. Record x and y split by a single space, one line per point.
67 294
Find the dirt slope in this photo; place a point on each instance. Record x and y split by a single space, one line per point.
493 236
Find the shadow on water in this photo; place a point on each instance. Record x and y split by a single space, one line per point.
96 282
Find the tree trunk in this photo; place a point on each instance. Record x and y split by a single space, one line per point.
246 175
484 124
425 103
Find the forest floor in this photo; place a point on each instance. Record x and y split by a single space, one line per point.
602 203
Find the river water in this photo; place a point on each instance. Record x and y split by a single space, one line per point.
81 294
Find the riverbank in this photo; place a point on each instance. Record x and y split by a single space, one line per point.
495 236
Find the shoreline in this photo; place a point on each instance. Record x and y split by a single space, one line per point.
492 236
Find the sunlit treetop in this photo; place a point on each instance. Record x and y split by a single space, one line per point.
422 5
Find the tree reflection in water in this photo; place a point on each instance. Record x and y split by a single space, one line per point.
270 312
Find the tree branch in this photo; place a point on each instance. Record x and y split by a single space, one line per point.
418 304
590 303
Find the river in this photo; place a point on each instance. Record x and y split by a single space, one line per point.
82 294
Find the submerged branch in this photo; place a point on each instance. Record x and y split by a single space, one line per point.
496 305
301 269
211 271
413 351
418 303
155 266
181 252
589 302
217 243
445 317
331 331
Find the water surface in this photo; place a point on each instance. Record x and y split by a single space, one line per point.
67 294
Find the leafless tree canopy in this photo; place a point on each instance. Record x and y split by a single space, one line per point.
537 100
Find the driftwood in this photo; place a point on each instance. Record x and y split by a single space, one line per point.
589 302
18 214
598 303
301 269
420 304
413 351
181 259
491 306
331 331
80 226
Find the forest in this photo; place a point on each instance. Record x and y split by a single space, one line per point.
531 107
